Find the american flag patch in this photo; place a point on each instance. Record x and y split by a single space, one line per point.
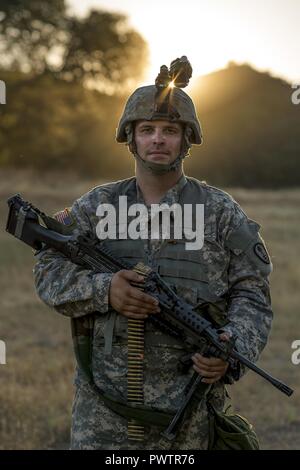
64 217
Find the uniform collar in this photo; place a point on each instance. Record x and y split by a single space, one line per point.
171 196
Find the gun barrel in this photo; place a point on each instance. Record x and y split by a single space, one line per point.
275 382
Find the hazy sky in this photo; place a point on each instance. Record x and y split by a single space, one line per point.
264 33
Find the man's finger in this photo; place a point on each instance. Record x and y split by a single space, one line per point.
140 309
136 303
138 295
209 361
208 373
131 276
130 314
217 370
224 336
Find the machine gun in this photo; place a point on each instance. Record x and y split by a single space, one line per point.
177 317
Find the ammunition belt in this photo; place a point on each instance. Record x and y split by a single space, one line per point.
135 381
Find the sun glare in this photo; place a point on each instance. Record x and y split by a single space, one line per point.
212 33
204 60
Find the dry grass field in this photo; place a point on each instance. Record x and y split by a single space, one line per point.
36 383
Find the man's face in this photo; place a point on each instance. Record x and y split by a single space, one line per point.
158 141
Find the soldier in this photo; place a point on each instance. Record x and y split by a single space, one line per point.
159 124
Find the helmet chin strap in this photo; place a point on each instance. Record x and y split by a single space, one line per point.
159 168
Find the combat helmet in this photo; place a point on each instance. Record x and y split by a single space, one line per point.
164 100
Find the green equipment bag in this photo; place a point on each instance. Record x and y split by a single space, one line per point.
230 432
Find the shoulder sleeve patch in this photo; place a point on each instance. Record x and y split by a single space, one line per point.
65 217
261 252
246 241
259 257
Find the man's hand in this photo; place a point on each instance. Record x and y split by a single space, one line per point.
211 368
128 300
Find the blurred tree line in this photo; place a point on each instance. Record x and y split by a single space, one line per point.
53 118
48 124
40 37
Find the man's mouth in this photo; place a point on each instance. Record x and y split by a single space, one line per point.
157 152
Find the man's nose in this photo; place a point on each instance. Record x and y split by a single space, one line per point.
158 137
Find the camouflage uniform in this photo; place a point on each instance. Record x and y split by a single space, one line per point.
237 271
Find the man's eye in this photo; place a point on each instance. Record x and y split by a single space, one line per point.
172 131
146 130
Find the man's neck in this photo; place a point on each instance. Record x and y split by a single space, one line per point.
154 187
